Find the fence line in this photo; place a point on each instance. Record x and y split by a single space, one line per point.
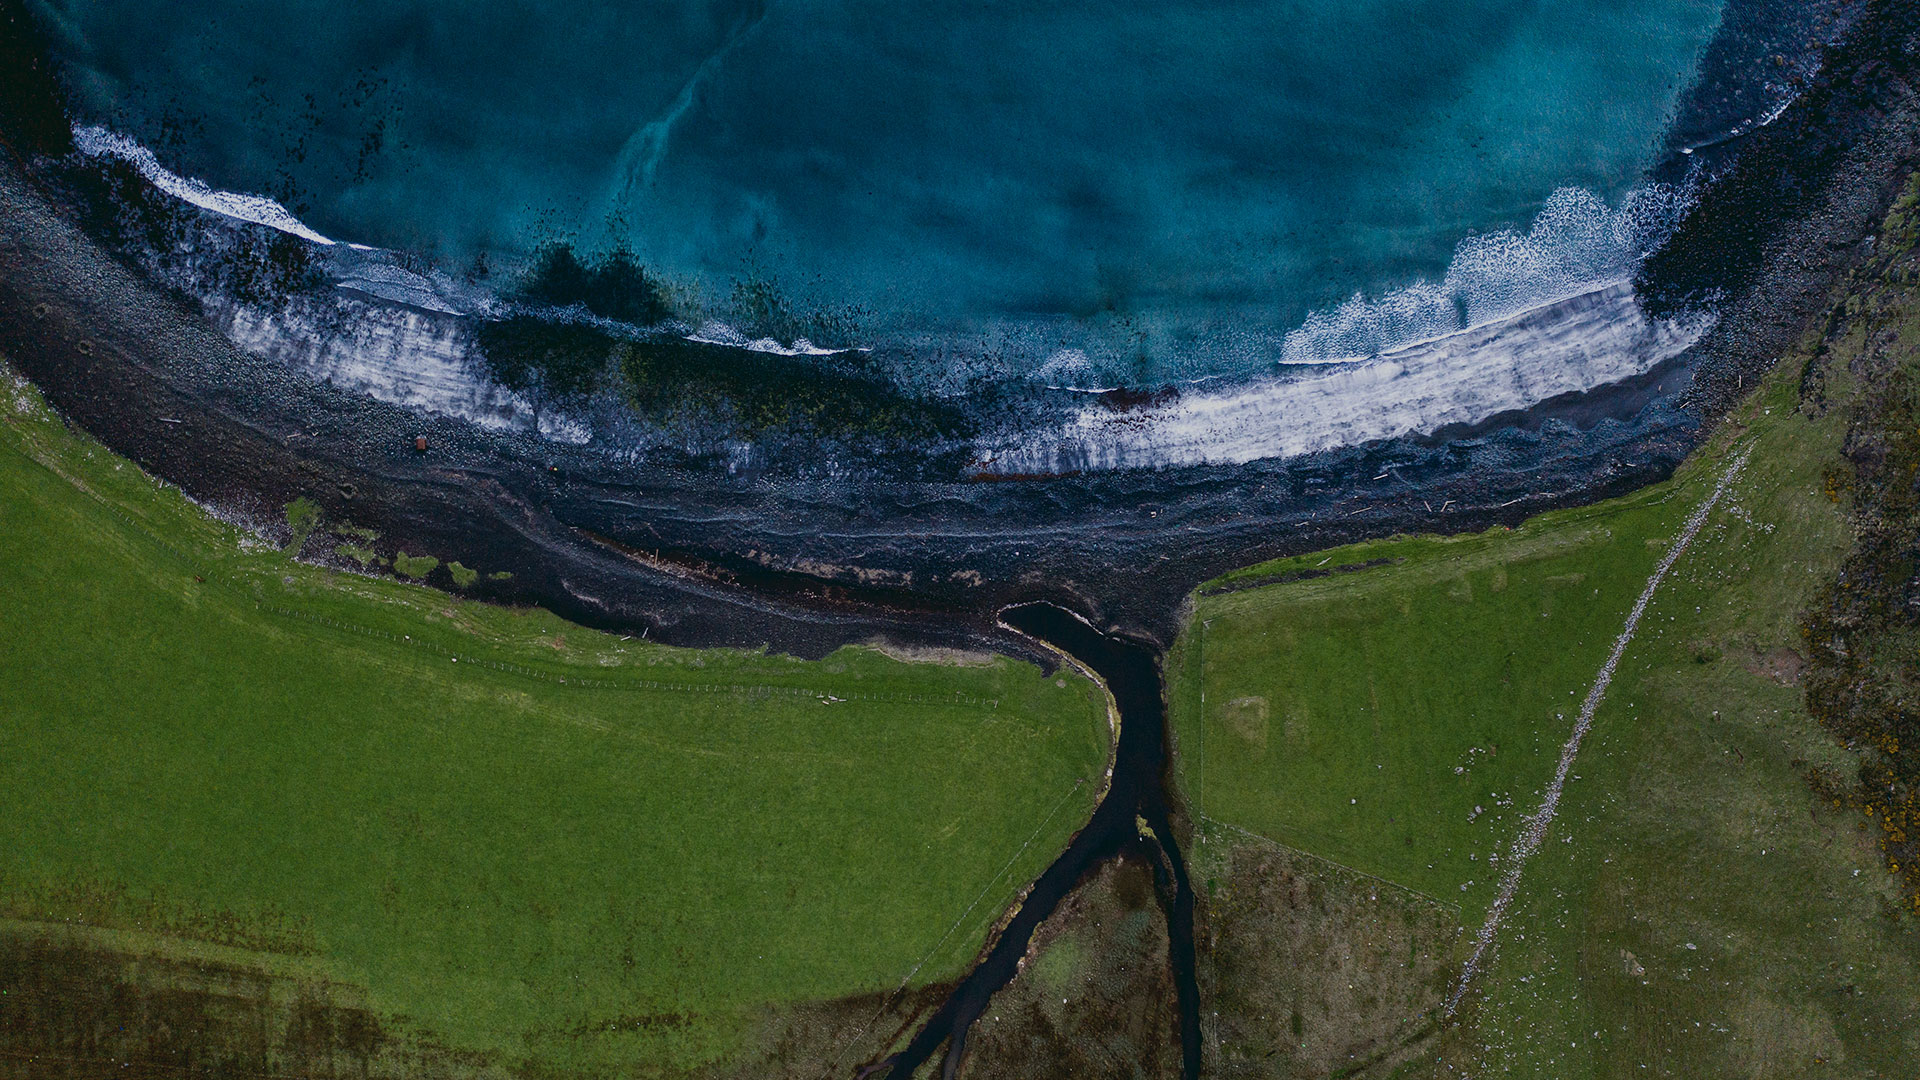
1336 864
1535 831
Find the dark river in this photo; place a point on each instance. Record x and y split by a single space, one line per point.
1138 794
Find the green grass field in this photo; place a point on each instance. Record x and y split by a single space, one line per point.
1400 717
1697 909
535 841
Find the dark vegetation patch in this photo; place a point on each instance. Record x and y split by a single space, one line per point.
1309 970
1863 630
837 1038
74 1007
526 353
841 395
838 395
89 902
77 1003
1096 996
615 287
1127 399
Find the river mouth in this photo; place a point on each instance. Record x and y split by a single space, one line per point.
1135 818
1124 546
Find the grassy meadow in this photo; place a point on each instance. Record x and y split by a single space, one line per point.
1699 908
553 848
1709 901
1399 714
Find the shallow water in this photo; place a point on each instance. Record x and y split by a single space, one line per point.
1126 193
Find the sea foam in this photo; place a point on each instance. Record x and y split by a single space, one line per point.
1518 317
99 142
1575 245
1572 345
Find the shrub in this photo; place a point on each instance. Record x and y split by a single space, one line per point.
303 516
416 566
364 556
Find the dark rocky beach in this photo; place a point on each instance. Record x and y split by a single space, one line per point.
697 554
700 555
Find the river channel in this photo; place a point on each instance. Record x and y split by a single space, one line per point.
1132 818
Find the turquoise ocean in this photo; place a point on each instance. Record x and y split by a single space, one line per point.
1088 190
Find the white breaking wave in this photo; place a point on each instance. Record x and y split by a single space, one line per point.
1577 344
1576 244
719 333
258 209
1518 318
400 285
417 359
419 355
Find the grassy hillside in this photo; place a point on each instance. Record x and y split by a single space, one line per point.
1398 717
554 847
1710 900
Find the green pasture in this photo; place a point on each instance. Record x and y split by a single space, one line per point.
542 843
1699 908
1399 712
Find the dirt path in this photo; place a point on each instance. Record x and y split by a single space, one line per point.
1535 832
